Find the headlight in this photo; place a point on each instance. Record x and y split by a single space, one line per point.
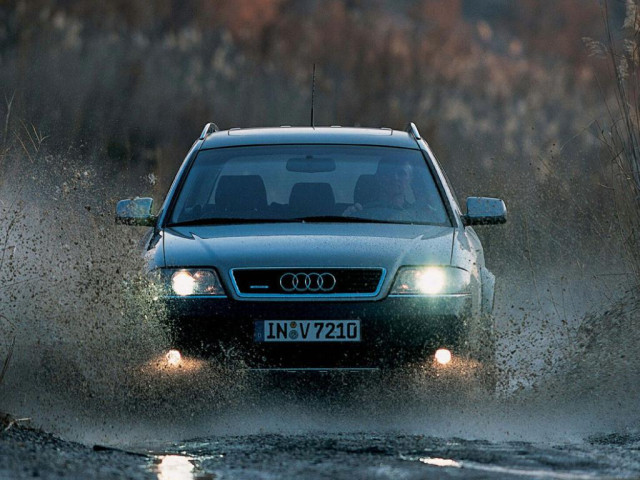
195 282
431 281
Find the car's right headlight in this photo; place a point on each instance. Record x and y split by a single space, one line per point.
193 282
431 281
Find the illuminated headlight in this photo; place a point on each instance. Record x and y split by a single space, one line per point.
431 281
196 282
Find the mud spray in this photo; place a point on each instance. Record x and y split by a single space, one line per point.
88 358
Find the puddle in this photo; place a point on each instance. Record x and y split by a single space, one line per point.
178 467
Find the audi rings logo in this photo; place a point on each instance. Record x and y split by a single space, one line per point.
307 282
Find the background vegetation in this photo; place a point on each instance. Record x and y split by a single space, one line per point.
509 96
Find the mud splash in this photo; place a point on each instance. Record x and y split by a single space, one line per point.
88 358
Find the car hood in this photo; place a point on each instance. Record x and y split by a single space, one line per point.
307 244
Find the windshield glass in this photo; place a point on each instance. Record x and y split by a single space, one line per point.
309 182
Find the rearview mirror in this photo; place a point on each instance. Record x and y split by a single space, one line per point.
135 212
485 211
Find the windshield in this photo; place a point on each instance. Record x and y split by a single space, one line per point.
309 183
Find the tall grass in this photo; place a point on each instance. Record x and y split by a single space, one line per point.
620 131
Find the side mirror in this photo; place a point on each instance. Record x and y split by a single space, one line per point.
135 212
485 211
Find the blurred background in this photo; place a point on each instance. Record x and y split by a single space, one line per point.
494 85
506 93
532 101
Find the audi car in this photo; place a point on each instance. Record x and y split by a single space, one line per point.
318 248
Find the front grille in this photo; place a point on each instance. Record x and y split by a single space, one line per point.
323 282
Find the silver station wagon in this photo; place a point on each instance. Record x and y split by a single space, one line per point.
320 248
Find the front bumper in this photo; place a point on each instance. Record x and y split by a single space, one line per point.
395 330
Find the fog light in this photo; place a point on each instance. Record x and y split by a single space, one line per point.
173 358
443 356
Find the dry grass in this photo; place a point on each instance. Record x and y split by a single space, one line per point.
619 131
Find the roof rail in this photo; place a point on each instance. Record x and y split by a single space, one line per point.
411 129
209 128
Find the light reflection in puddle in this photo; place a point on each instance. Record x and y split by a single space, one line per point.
498 469
173 467
523 472
440 462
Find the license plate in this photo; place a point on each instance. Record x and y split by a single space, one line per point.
307 331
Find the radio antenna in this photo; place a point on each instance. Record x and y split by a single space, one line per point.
313 90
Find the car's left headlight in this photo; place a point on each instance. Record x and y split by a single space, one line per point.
431 281
189 282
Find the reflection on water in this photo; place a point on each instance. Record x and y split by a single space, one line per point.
180 467
440 462
173 467
498 471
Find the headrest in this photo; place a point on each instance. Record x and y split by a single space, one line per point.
311 199
241 193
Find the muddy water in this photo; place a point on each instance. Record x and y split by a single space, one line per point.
88 365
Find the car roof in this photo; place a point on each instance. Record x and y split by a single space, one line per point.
310 135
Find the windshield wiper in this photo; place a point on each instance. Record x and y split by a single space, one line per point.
339 219
310 219
227 221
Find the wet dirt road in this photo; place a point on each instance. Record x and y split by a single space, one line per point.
27 454
350 456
